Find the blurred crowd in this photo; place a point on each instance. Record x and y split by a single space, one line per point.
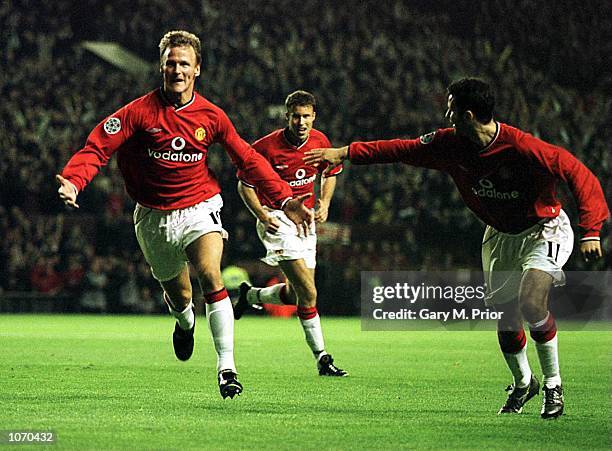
379 70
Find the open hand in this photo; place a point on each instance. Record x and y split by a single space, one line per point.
271 224
297 212
333 156
67 191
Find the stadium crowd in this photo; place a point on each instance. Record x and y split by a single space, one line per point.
379 70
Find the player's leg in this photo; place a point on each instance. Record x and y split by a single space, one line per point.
279 294
301 280
502 276
535 287
205 253
513 344
169 268
283 244
544 256
178 297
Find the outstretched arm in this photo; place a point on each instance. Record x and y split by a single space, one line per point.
259 172
331 155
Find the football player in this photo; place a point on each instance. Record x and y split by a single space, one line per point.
296 255
161 140
508 178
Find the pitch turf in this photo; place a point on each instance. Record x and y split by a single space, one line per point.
107 382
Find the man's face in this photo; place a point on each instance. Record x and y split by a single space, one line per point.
300 120
180 69
459 120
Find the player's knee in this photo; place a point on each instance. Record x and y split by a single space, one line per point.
184 295
180 298
533 311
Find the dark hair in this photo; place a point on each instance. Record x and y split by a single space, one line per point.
474 95
300 98
180 38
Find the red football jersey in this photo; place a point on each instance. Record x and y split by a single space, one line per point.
510 184
162 153
286 159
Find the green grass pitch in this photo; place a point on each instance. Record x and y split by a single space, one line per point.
112 382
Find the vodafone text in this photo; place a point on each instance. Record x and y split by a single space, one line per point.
303 182
487 189
176 156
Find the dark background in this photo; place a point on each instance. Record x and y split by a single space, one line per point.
379 70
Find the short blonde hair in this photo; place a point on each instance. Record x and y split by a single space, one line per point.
180 38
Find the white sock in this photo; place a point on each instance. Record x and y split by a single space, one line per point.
548 355
186 318
267 295
220 318
519 366
314 335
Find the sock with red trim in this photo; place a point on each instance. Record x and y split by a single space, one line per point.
276 294
311 323
544 333
220 317
513 345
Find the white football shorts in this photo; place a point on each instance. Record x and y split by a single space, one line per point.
285 244
164 235
546 246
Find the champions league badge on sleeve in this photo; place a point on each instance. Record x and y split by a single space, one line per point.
112 126
428 138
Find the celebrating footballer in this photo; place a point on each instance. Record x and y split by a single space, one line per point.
508 179
161 140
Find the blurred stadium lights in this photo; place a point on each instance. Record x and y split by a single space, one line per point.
119 57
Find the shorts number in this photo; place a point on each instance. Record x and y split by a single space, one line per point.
553 250
216 217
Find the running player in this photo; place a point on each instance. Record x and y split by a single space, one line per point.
296 255
508 179
161 141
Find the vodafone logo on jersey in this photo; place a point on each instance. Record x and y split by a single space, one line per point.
301 181
487 189
178 143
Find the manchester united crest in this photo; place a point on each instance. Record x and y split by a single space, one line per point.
200 134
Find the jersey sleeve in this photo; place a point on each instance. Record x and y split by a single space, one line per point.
102 142
335 171
243 176
253 168
585 187
422 152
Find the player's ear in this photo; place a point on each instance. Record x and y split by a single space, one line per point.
468 115
197 70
